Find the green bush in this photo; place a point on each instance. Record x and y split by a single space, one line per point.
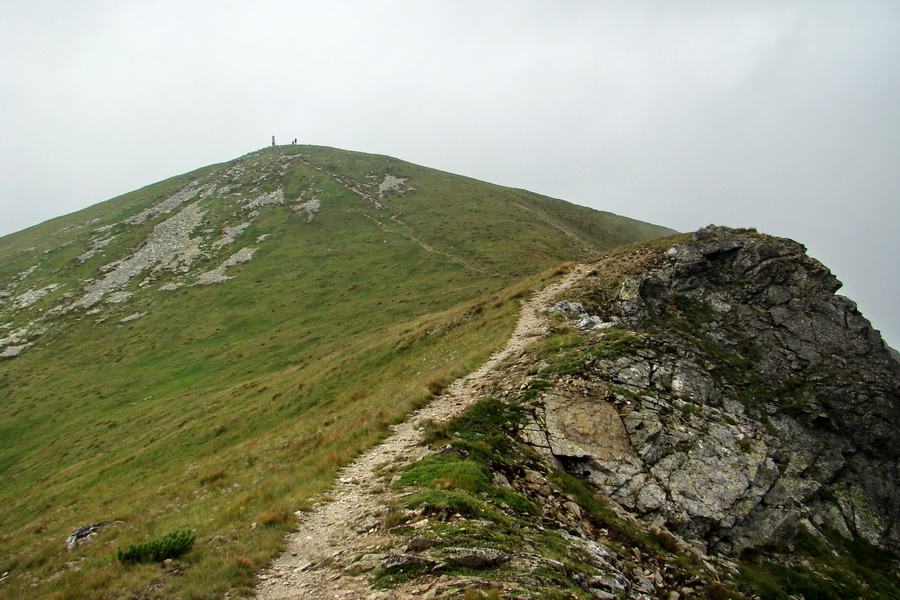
171 545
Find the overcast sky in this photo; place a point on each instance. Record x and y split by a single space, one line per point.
781 115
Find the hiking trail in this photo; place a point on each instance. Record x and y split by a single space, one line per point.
335 533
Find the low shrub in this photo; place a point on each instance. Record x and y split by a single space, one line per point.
171 545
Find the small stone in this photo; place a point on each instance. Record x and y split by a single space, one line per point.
476 558
419 544
606 583
500 480
555 565
396 561
86 533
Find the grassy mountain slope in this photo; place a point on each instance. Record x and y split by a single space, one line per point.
205 352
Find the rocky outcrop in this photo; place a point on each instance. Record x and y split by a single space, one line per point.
86 533
727 391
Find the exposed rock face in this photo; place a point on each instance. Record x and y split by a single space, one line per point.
86 533
738 398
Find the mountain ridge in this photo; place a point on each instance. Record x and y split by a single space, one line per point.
697 416
191 348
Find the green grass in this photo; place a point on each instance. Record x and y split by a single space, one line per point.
219 460
460 480
233 404
570 352
823 569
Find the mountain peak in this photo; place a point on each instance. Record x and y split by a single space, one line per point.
198 228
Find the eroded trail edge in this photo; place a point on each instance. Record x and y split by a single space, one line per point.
335 533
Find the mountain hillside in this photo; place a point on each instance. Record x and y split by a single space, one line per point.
698 416
204 353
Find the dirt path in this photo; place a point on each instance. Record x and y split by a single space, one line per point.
338 532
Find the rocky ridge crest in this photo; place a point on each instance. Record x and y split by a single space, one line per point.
730 393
